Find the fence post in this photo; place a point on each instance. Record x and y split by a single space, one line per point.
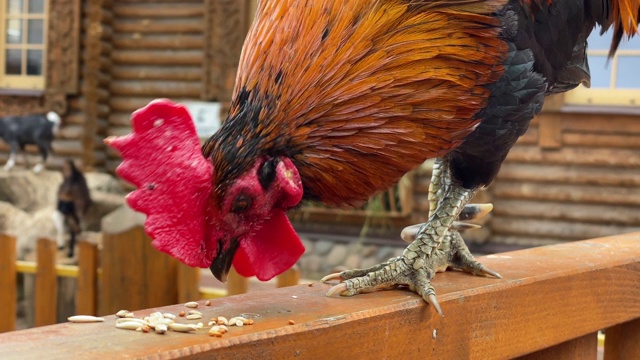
87 293
188 283
236 283
9 297
290 277
46 294
622 341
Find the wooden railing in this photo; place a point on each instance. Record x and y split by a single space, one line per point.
550 305
127 274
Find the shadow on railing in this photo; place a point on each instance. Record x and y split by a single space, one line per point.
550 305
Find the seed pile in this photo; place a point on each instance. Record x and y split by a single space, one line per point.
160 323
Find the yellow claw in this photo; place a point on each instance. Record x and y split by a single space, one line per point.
338 289
334 276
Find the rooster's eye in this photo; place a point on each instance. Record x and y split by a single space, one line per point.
241 203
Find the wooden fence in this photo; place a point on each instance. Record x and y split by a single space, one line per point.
550 305
127 273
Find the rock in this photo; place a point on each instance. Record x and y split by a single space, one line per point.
353 261
311 264
11 218
368 251
369 262
322 247
39 225
29 191
308 246
385 253
337 255
104 183
121 220
103 204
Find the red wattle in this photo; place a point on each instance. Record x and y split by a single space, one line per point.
271 251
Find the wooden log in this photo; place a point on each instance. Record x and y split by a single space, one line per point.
555 229
157 57
622 341
599 124
87 291
46 287
588 175
158 11
151 42
188 283
589 213
549 295
630 141
567 193
582 348
550 135
236 283
160 26
127 105
290 277
530 137
586 156
129 72
8 283
67 147
156 88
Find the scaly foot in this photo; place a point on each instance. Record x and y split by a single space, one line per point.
418 264
411 269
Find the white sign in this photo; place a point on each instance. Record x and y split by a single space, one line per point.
205 115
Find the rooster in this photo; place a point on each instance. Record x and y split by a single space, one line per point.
336 100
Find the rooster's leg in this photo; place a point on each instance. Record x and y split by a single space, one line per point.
437 246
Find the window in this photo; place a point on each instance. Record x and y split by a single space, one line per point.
613 82
23 34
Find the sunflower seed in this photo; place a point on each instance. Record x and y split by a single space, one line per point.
122 313
124 320
194 317
222 320
84 319
191 304
178 327
169 316
128 325
161 328
192 312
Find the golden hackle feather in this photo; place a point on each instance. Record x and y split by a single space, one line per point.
361 91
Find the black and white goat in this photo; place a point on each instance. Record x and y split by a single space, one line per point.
18 131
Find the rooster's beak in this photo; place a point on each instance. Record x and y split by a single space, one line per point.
224 258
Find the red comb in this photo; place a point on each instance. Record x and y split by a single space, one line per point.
162 158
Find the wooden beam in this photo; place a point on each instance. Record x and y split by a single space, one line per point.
188 283
236 283
549 295
9 297
290 277
622 341
86 296
550 131
46 292
582 348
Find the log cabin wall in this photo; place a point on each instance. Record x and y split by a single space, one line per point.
183 50
63 63
573 175
107 58
157 52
